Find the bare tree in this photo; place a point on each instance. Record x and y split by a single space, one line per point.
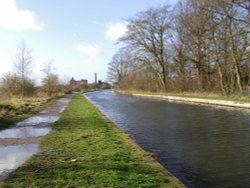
121 65
194 23
148 34
204 46
50 83
23 62
215 37
236 29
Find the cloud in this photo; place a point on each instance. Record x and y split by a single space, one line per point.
116 30
89 51
13 18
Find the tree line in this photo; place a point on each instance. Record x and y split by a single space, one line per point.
196 45
20 83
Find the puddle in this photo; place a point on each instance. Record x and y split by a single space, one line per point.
38 120
47 116
24 132
14 156
19 143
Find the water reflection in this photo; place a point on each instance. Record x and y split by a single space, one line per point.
47 116
14 156
204 146
24 132
39 120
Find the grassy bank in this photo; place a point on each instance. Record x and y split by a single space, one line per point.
191 95
86 150
17 110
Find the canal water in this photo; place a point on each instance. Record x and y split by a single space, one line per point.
20 142
203 146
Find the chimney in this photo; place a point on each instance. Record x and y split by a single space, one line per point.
95 78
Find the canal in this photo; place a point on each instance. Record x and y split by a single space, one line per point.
203 146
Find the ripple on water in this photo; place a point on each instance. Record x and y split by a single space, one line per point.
204 146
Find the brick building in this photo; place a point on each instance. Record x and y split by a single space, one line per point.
77 85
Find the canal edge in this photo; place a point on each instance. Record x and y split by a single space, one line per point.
145 156
214 102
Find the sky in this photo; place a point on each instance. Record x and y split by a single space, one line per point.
79 37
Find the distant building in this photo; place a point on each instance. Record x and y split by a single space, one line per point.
78 82
77 85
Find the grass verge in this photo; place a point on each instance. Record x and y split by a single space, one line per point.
17 110
84 149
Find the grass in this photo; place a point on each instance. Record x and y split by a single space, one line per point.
84 149
17 110
192 95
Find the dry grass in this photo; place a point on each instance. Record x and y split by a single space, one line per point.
16 109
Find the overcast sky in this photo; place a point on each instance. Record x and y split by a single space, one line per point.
79 35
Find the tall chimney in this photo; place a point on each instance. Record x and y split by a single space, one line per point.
95 77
